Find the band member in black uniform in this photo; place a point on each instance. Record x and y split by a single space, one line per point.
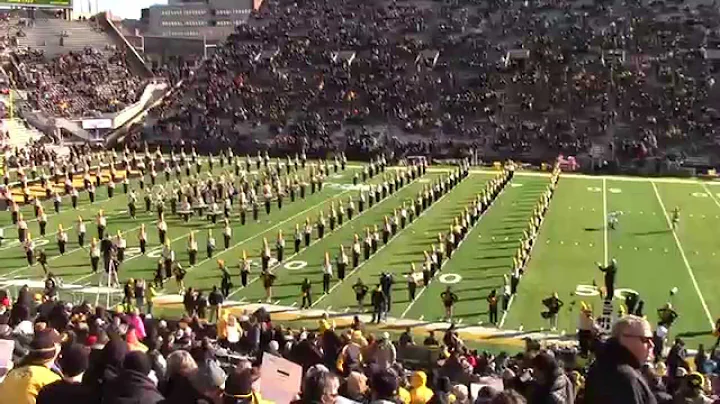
411 282
342 260
280 246
192 248
226 282
298 238
244 269
355 250
308 232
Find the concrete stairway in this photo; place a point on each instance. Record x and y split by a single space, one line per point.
56 36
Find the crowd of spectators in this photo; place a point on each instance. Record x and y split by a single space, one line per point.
83 354
506 76
79 84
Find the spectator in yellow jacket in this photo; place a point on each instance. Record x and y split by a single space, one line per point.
22 384
419 393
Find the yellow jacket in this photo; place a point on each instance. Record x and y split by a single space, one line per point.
22 385
420 393
222 324
404 395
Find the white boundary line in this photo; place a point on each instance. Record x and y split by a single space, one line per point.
415 220
492 203
317 240
711 194
684 257
606 243
589 176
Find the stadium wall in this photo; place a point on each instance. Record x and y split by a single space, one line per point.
132 58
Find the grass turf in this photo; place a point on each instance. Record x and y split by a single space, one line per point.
652 258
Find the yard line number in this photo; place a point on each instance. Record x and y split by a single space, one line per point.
592 291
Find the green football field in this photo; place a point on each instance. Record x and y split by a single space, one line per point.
652 258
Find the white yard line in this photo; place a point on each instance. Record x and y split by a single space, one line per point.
707 189
304 249
349 275
604 222
417 297
684 257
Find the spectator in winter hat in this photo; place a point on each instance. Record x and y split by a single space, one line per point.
73 361
23 383
384 386
107 367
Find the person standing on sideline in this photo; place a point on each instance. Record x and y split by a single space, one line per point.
216 300
449 299
306 290
386 281
615 376
553 305
379 301
360 290
492 300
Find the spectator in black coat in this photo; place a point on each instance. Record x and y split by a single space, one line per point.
615 375
106 369
73 361
133 384
552 386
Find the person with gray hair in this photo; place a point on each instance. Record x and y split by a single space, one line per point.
319 386
615 376
180 362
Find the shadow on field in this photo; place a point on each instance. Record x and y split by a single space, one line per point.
690 334
488 257
486 268
653 232
590 229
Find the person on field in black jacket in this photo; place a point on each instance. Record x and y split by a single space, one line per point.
615 376
133 385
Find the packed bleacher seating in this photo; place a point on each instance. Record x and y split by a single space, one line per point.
523 79
79 84
70 69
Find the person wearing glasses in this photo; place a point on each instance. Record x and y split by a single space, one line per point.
615 376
